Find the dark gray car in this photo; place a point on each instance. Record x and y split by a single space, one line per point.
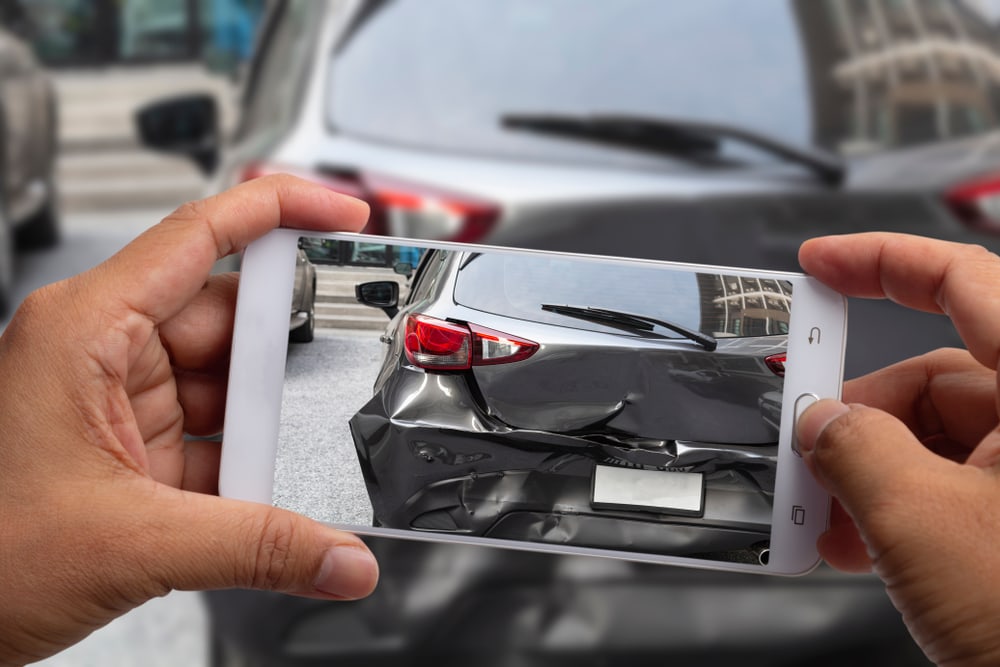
512 384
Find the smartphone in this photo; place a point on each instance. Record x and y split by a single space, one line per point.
534 400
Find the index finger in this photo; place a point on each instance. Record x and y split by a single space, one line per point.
162 270
959 280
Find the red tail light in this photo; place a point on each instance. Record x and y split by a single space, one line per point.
776 362
434 344
977 203
494 347
401 208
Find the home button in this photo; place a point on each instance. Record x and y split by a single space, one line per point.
801 403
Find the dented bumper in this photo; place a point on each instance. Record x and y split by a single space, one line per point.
434 460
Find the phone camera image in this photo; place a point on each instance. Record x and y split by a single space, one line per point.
536 398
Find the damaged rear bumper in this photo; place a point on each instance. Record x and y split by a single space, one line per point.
460 471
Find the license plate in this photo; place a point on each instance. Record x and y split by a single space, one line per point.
666 492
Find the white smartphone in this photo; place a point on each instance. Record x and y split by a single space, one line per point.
533 400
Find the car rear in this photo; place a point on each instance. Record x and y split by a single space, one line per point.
403 104
498 413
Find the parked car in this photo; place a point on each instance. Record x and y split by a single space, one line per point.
29 214
801 118
722 132
302 321
551 372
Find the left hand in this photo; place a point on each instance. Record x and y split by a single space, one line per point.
103 503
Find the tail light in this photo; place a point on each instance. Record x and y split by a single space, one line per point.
977 203
776 362
434 344
401 208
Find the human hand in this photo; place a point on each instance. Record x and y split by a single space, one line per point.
103 505
914 461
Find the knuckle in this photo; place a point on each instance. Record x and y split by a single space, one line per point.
274 562
192 210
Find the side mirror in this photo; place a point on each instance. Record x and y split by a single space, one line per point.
382 294
403 269
187 125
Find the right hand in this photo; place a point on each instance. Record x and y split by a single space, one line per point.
913 462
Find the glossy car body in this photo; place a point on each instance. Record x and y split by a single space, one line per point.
29 215
510 446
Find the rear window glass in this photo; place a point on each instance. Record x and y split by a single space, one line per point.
720 305
853 76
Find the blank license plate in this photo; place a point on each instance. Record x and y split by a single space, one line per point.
649 490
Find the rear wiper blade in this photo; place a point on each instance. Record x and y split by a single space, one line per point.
630 321
674 137
468 260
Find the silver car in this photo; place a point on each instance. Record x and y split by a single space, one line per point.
29 213
721 131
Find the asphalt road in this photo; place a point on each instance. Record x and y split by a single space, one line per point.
326 382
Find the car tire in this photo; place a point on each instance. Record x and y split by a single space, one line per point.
43 229
219 655
306 332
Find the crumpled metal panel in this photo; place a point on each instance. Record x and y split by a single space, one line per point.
647 390
435 460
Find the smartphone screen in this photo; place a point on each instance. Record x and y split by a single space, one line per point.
539 398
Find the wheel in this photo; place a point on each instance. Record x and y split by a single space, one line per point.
42 230
306 332
219 655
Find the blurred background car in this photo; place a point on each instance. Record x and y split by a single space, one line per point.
721 132
29 200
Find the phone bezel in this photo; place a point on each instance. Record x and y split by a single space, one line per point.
257 370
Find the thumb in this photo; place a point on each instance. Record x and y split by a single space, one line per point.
872 464
206 542
853 449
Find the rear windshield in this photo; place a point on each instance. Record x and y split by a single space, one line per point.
719 305
853 76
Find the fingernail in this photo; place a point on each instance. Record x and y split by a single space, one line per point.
815 420
348 572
